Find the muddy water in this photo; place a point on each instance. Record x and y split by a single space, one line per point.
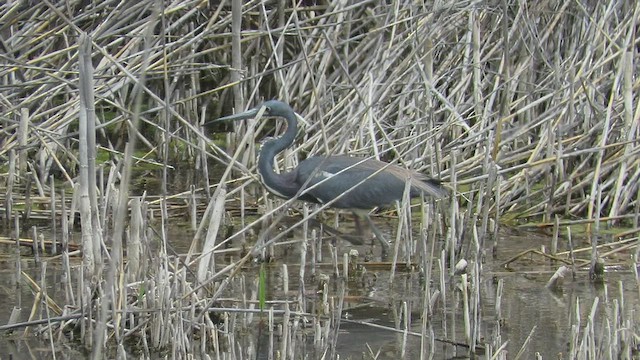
526 304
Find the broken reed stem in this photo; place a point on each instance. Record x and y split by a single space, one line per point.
555 235
466 310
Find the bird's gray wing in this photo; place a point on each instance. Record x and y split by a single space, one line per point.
353 182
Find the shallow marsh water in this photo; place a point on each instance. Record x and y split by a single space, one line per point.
372 298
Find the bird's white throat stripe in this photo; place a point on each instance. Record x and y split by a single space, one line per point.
270 189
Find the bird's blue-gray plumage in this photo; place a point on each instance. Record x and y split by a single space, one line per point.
359 183
350 182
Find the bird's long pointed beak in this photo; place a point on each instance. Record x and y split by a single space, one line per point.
252 113
249 114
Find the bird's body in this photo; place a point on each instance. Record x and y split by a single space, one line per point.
352 182
347 182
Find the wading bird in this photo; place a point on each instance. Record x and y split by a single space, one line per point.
346 182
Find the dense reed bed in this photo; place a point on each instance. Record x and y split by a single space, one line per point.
528 111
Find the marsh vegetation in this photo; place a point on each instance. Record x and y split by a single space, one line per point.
527 111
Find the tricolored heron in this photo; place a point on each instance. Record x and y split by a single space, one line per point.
347 182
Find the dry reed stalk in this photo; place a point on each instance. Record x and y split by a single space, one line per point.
206 261
134 242
23 130
8 201
91 240
523 348
35 245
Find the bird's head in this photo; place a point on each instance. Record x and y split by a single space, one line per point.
275 108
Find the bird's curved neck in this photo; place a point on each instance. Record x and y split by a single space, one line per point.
275 182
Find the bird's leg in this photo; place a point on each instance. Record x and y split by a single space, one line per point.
354 239
360 230
356 220
377 233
